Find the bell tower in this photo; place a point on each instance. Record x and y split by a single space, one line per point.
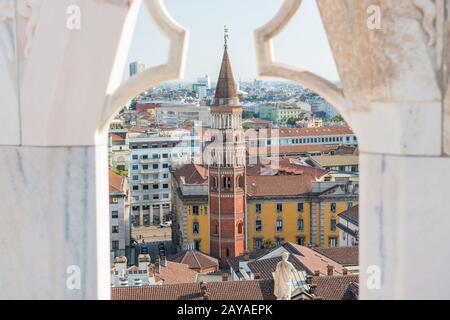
227 168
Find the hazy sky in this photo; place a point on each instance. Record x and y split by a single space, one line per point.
302 43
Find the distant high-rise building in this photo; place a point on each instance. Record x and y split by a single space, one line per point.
204 81
136 67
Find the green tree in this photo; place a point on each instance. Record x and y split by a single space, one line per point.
269 244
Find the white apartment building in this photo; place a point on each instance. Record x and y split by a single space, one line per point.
119 214
150 181
334 135
349 227
118 148
174 115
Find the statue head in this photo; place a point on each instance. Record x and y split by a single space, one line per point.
285 256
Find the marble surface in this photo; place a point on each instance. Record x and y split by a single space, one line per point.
54 210
404 224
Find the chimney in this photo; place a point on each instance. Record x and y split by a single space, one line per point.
330 270
257 276
143 261
120 264
312 288
157 267
344 271
150 271
246 255
309 279
317 273
204 290
163 261
224 277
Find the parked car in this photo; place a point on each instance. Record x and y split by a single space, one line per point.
166 224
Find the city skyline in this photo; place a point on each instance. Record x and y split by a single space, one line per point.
206 20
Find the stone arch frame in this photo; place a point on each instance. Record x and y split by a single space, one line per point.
396 227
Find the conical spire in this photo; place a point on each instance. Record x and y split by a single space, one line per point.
226 94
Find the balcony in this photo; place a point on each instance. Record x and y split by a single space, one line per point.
149 161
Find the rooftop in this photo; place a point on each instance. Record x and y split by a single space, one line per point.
196 260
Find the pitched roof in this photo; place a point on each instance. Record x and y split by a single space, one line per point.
173 273
267 186
234 261
351 214
226 93
192 173
347 256
313 261
336 160
293 150
337 287
115 182
266 267
229 290
195 259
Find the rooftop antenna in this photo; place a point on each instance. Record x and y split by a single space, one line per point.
225 37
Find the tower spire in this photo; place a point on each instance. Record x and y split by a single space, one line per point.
225 37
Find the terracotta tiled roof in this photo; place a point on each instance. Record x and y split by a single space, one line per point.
174 273
229 290
313 261
234 261
351 214
347 256
267 186
192 173
115 182
337 287
336 160
196 260
266 267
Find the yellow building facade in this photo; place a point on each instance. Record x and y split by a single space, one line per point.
306 218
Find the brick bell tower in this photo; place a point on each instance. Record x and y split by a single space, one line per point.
227 169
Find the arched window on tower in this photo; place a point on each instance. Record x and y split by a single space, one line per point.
240 228
228 252
226 182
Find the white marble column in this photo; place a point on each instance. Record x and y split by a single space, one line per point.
54 235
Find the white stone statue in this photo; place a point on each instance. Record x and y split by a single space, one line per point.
284 274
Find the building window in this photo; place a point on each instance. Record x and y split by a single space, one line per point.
134 157
165 165
165 176
195 210
301 241
300 207
279 241
145 187
228 252
195 228
279 207
197 245
155 186
279 225
135 167
240 228
349 205
258 208
258 225
135 178
114 200
300 225
145 167
156 197
332 242
115 214
165 196
333 225
155 167
115 245
333 207
165 186
135 188
226 182
115 229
